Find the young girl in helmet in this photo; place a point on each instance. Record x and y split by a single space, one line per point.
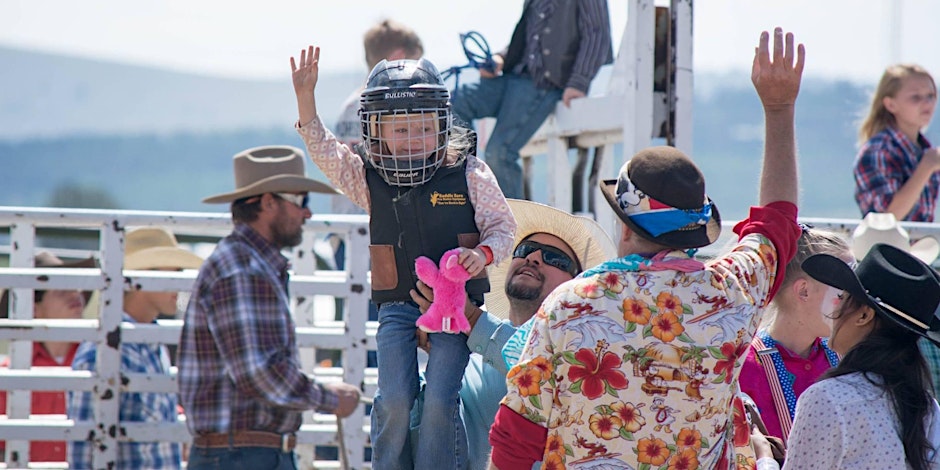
426 193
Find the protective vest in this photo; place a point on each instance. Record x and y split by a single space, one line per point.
425 220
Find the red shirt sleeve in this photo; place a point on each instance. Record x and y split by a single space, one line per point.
776 221
517 442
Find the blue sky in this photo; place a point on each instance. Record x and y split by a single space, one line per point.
845 38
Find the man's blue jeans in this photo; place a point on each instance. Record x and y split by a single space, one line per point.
519 108
441 440
241 458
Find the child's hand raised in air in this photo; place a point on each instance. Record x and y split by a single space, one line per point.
472 259
305 75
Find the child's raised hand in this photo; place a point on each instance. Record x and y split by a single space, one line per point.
472 259
306 73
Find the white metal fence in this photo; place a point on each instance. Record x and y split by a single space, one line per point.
317 328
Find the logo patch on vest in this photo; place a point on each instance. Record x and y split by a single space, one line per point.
448 199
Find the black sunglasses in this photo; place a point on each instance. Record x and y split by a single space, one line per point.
550 255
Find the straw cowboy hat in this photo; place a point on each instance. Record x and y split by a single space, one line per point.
151 248
271 169
660 195
894 283
590 244
45 259
884 228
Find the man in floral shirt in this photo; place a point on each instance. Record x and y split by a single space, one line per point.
635 363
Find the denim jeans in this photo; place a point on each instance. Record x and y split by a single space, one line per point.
441 440
241 458
519 108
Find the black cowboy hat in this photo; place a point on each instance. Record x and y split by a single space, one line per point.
658 179
893 282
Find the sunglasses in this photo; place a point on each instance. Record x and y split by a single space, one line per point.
550 255
299 200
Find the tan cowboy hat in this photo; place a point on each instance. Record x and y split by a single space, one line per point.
45 259
590 244
879 227
271 169
150 248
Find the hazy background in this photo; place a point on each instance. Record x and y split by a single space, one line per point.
141 105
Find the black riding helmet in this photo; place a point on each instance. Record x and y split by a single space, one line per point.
410 88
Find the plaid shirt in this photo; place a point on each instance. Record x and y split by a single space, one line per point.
883 165
239 367
931 355
138 407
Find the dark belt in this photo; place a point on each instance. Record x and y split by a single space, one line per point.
285 442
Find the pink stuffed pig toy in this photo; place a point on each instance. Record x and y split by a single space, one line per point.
449 283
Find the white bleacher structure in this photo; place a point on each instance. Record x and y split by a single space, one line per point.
351 334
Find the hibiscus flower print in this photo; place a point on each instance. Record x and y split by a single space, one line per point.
689 438
666 327
636 311
605 427
589 290
668 303
544 367
526 380
554 444
652 451
686 459
611 283
553 462
592 375
727 357
630 415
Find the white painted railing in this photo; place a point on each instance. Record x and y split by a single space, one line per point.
317 328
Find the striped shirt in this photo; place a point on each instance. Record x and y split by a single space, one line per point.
883 165
239 367
142 358
593 50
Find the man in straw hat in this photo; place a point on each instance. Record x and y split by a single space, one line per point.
551 247
634 363
49 304
240 376
146 249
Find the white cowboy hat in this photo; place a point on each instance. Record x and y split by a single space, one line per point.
879 227
590 243
271 169
151 248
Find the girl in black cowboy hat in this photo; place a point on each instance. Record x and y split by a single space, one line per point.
876 408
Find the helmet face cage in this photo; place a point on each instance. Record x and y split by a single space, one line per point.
405 119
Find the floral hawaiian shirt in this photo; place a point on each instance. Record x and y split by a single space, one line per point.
631 369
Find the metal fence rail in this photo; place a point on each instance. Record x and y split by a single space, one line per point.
346 331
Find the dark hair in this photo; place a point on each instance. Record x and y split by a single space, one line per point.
5 301
385 37
246 209
890 352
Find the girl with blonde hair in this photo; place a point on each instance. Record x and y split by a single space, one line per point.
896 167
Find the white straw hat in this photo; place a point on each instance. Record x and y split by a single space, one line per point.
879 227
589 242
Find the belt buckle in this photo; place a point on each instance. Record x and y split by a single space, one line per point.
285 443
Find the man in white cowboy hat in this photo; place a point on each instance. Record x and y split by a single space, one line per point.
241 382
150 249
551 247
634 363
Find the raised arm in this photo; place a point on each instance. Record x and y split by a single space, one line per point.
777 78
305 75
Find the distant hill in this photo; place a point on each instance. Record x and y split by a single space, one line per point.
50 96
158 140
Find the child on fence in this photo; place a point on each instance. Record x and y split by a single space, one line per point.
426 193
